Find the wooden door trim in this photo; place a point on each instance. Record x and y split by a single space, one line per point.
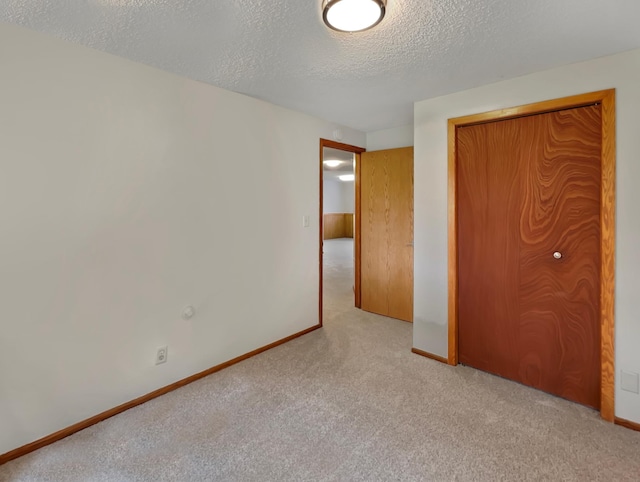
357 235
430 356
356 151
606 98
627 424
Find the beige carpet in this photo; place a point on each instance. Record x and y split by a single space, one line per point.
348 402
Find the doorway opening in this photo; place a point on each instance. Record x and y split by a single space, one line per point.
338 220
339 223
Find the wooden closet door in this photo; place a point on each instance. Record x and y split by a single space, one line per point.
529 188
489 191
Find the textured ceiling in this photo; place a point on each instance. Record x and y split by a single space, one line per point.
280 51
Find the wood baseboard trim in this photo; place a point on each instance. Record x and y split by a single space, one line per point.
627 424
65 432
430 355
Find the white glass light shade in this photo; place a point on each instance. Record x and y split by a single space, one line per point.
332 163
353 15
347 177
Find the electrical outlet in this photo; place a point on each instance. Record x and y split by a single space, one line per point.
162 354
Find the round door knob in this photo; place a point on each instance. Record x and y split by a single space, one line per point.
557 255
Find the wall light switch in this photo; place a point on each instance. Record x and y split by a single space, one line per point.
629 382
305 221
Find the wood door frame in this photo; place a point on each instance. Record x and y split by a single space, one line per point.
356 240
607 100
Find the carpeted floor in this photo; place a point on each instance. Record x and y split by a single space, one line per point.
348 402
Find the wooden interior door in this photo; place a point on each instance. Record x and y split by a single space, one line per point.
529 250
386 226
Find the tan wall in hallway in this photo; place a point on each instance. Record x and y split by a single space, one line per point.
338 225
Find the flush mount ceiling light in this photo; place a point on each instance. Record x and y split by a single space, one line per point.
332 163
353 15
347 177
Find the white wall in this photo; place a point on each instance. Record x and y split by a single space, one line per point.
430 310
390 138
338 196
127 193
332 196
348 196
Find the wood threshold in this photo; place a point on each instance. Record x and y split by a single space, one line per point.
606 98
627 424
430 355
65 432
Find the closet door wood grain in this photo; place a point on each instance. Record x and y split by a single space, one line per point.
559 333
489 190
529 189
